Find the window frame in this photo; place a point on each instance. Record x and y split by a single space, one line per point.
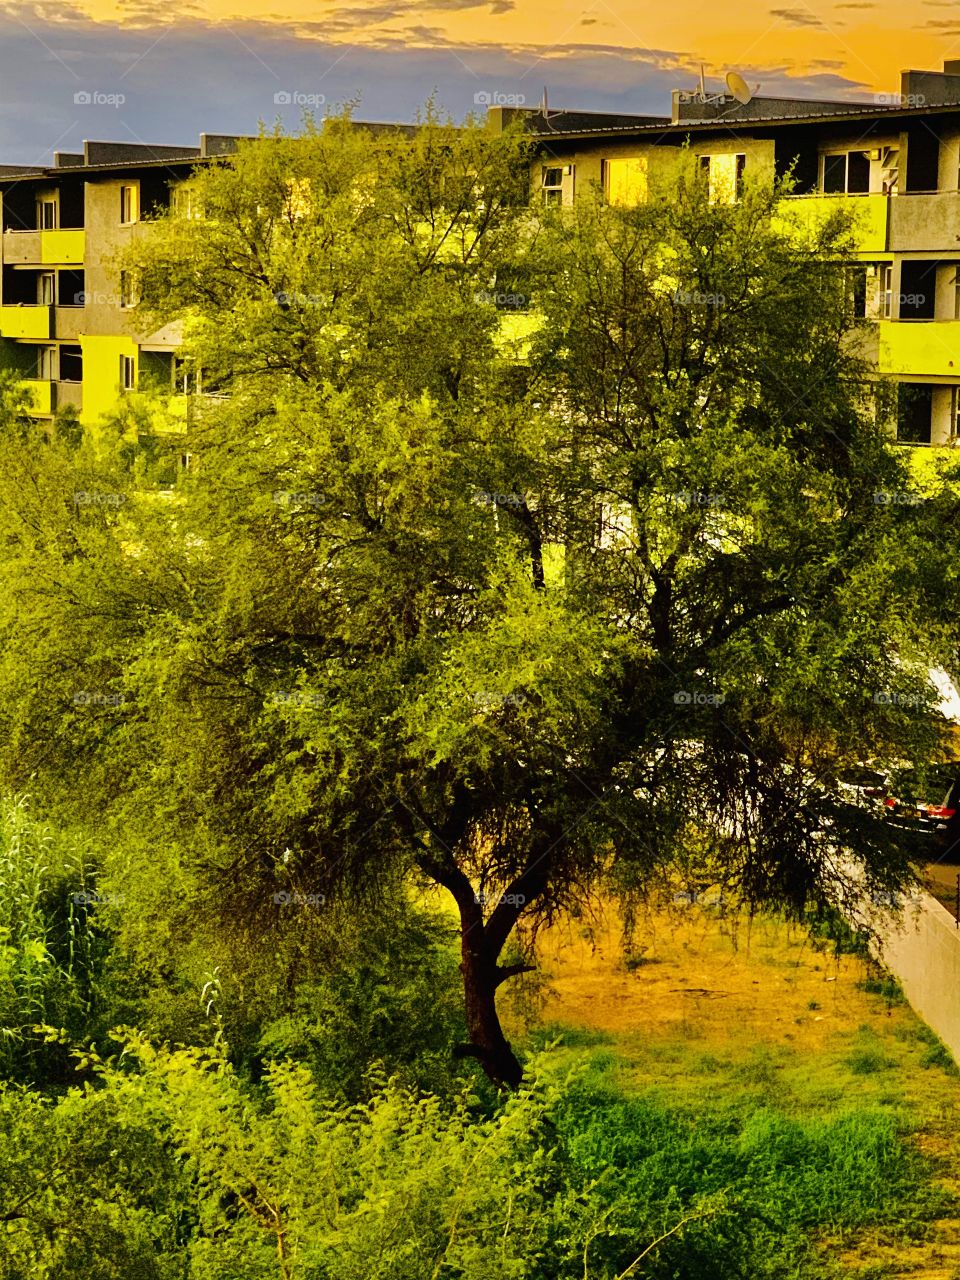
129 206
44 203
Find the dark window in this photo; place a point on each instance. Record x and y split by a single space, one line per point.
923 158
914 403
71 364
858 173
918 290
834 174
858 291
71 289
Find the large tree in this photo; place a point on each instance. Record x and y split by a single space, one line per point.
510 608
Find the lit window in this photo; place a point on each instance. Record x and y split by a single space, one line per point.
129 204
724 174
625 181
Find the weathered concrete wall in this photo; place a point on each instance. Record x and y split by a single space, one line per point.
922 951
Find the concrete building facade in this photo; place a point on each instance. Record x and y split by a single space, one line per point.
69 328
895 161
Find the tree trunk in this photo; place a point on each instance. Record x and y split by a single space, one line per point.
481 978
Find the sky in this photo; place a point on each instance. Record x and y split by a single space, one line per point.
166 70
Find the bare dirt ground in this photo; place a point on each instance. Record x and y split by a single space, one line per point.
714 1012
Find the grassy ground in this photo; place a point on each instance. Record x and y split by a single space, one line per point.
723 1018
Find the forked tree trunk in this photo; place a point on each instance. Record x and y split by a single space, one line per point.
481 978
482 942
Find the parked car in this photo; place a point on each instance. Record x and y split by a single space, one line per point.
924 799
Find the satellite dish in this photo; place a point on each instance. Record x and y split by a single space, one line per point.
739 87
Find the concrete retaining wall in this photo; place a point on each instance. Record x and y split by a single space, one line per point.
922 951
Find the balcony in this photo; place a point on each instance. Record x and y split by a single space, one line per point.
39 395
24 321
44 248
68 393
67 322
921 348
925 222
870 212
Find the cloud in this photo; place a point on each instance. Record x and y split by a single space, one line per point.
219 78
797 17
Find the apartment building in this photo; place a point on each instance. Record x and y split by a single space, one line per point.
895 160
68 323
68 328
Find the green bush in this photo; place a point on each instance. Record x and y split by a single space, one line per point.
50 951
390 995
174 1168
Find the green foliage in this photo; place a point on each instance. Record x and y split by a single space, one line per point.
51 953
506 612
389 996
174 1168
881 983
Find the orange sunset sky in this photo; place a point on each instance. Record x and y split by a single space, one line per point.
180 66
864 41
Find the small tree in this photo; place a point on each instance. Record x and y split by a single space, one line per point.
508 612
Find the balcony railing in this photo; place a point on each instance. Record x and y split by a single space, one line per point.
25 321
62 247
39 395
925 222
927 349
870 216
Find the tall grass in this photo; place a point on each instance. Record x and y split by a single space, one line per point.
46 935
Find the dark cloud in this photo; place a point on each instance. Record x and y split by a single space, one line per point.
797 17
179 79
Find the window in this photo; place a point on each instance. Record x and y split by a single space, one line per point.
71 364
724 174
184 381
845 173
46 363
914 407
890 171
129 204
624 181
857 292
47 213
126 290
955 413
918 289
886 291
128 373
183 201
552 186
71 290
46 288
